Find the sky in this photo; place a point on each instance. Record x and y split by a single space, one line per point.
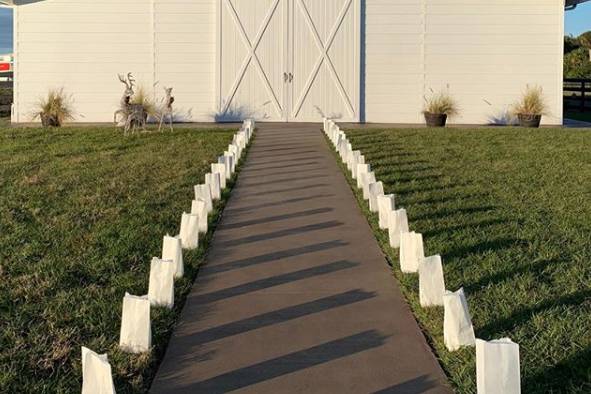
577 22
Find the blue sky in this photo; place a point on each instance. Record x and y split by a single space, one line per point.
577 22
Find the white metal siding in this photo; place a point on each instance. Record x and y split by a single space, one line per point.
81 45
484 52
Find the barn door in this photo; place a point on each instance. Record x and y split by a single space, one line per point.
251 63
324 59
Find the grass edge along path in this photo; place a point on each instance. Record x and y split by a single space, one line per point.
131 373
159 349
494 273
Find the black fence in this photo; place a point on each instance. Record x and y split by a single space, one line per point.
577 94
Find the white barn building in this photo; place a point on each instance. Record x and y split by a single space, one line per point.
291 60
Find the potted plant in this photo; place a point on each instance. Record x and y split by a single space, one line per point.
532 106
55 109
439 108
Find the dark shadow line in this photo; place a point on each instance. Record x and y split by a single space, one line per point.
291 189
465 226
276 203
282 173
283 155
268 257
288 160
281 233
417 385
499 277
276 218
295 179
485 246
272 281
523 315
445 213
290 363
289 148
250 169
279 316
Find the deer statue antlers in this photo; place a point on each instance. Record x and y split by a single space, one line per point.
132 115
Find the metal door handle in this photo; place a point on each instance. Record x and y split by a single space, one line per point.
290 77
285 77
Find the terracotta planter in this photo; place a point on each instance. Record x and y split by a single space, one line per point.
532 121
435 120
50 121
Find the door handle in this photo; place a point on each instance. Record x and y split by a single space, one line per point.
285 77
290 77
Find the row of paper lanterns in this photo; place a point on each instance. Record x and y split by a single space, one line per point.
136 334
497 361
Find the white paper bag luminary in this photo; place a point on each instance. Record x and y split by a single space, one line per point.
457 323
497 367
361 170
217 168
431 282
203 192
199 208
96 373
214 182
411 252
376 190
136 334
397 224
368 179
161 285
189 233
172 249
386 204
226 160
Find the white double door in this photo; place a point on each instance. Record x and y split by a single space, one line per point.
288 60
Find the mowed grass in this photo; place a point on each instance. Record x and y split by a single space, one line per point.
82 212
509 211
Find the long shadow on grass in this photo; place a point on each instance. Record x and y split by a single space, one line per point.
525 315
481 247
502 276
565 375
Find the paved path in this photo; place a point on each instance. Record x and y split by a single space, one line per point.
296 296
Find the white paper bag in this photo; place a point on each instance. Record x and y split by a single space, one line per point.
397 224
136 334
431 282
354 167
203 192
213 180
217 168
497 367
161 285
96 373
457 323
411 252
368 179
199 208
227 160
386 204
189 233
172 249
361 170
376 189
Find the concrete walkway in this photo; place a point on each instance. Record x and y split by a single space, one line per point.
296 296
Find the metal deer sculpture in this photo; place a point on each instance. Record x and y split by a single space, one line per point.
167 108
133 116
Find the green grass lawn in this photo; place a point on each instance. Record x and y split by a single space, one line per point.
82 211
509 210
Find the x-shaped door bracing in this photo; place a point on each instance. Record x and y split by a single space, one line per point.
252 56
324 57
